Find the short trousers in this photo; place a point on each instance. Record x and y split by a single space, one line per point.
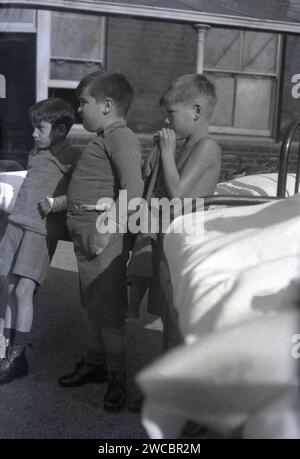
25 253
102 279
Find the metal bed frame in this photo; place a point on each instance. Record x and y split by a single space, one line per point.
171 332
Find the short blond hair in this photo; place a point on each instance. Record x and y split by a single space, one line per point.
187 88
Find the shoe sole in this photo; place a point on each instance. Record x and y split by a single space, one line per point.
113 409
134 409
20 374
82 382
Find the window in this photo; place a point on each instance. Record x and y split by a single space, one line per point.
76 47
244 65
73 45
17 20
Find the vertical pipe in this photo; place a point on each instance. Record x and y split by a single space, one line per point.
201 30
298 169
43 54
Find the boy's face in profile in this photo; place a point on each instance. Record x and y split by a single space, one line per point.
180 118
44 135
184 117
91 111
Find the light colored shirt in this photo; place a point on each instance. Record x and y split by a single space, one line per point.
48 174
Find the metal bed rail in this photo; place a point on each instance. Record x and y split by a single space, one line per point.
284 158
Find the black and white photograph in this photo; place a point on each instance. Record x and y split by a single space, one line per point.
149 222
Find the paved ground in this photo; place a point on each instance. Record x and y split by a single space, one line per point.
36 407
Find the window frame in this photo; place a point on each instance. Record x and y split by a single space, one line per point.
44 57
20 27
273 76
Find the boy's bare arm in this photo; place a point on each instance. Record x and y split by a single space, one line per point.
205 155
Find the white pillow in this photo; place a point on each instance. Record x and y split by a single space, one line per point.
10 183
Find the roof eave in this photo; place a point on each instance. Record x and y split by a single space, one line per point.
169 14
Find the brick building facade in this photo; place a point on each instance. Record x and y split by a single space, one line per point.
152 52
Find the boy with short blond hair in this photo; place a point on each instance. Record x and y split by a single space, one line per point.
191 173
189 103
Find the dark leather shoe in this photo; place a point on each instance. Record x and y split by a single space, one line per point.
84 373
115 397
15 365
135 403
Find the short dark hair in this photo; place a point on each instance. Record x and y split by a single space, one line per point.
113 85
188 87
54 111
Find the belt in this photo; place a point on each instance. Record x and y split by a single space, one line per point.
75 207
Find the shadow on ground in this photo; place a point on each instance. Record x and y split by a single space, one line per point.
35 406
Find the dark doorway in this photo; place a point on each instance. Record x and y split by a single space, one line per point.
17 64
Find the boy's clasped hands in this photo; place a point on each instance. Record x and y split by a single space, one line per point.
166 139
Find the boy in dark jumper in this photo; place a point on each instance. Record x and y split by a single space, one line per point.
33 229
111 162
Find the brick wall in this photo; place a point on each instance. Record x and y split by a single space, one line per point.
236 155
151 54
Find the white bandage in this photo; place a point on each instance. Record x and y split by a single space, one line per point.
50 200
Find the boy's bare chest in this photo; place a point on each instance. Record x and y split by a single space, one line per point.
181 157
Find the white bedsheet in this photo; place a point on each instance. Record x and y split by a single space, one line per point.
10 183
236 294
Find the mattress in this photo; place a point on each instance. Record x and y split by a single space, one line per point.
241 253
256 185
236 290
252 185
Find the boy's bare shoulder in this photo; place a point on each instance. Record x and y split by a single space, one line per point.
208 149
208 145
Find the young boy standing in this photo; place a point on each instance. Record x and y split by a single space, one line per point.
110 162
189 103
191 173
33 229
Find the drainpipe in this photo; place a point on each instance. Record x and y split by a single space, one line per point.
201 30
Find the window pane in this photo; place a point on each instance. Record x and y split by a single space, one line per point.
259 52
253 102
222 49
65 70
223 112
76 35
16 15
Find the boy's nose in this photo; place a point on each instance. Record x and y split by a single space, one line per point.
35 133
79 109
167 121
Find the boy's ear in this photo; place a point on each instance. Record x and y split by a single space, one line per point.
197 112
61 130
107 105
